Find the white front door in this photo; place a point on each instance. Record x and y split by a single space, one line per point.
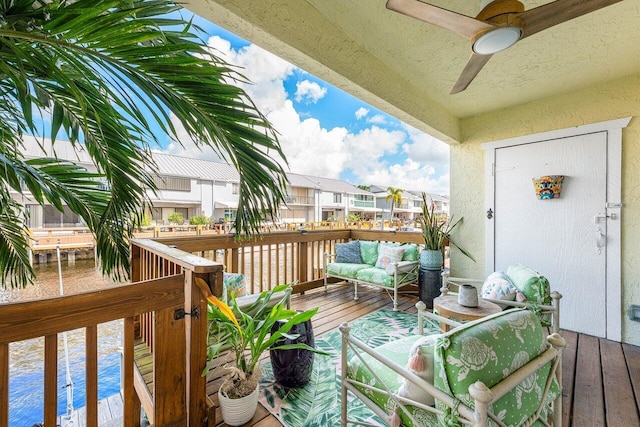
564 239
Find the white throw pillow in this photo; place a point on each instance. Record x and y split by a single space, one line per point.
388 254
498 286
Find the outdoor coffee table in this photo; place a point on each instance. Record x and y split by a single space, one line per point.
447 306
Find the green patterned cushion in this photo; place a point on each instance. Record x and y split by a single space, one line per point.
369 252
375 275
397 351
349 252
344 269
488 350
233 286
532 285
411 252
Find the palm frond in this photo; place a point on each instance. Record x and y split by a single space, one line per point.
109 72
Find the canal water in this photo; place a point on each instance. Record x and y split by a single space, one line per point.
26 369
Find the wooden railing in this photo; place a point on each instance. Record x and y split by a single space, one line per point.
164 311
162 305
46 239
295 257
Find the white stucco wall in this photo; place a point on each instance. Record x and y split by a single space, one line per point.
606 102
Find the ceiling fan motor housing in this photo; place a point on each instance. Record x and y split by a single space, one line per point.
499 9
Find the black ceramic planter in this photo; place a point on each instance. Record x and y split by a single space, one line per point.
292 368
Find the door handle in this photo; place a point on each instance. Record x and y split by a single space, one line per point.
601 239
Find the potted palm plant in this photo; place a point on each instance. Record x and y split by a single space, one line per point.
436 231
248 332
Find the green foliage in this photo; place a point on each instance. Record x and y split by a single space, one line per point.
176 218
109 73
145 221
354 217
436 229
198 220
251 336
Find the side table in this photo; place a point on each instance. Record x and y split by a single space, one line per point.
447 306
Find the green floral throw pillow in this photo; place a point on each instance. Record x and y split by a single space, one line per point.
533 286
369 252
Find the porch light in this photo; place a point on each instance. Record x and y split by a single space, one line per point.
496 40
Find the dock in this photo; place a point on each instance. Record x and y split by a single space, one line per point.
109 414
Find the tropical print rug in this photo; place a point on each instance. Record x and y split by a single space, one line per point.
317 404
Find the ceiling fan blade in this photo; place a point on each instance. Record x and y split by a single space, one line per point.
471 70
557 12
459 24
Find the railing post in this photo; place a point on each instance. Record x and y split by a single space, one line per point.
197 331
169 373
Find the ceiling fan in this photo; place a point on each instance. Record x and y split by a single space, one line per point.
498 26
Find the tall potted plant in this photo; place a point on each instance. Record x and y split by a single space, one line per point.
436 231
247 333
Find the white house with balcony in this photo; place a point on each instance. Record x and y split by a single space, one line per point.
194 187
407 210
203 187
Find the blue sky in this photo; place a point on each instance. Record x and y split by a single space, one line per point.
323 130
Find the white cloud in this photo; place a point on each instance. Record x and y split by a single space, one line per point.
309 92
361 112
377 119
313 150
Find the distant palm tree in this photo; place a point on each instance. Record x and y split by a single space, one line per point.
364 187
395 197
107 73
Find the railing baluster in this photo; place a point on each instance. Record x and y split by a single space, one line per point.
131 412
50 379
278 246
4 384
91 346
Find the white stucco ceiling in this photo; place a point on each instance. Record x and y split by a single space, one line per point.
407 67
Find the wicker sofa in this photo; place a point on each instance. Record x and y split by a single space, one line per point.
387 265
498 371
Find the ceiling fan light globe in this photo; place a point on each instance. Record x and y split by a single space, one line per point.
497 40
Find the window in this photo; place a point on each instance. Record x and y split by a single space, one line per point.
172 183
235 188
337 197
364 201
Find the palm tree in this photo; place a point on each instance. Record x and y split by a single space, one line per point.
395 197
107 73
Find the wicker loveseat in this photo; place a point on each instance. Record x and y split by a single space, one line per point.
499 371
381 264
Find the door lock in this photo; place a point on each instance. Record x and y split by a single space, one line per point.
603 217
489 214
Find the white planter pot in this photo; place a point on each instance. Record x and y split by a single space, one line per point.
236 412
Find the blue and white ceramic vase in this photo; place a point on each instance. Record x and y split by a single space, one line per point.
431 259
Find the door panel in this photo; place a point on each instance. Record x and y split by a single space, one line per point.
557 237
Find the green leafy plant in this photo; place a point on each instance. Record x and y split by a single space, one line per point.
145 221
436 230
109 74
354 217
198 220
176 218
247 333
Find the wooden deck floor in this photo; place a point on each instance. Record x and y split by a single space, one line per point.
601 378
